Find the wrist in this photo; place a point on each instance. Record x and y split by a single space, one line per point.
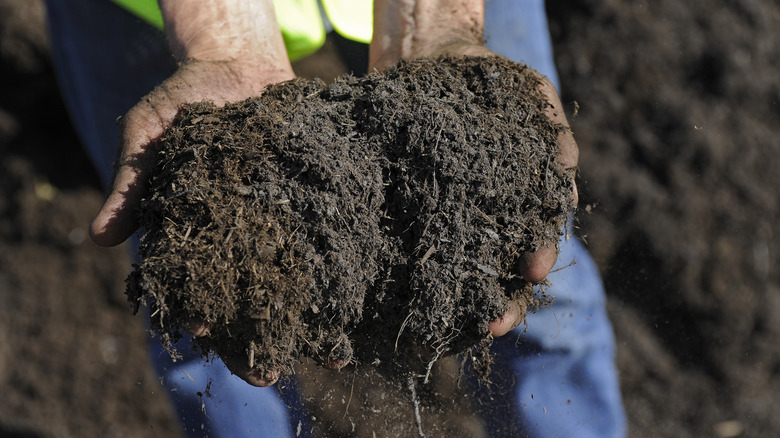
230 80
423 28
242 32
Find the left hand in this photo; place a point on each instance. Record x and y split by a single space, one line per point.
434 28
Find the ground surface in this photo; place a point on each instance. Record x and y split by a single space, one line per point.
677 126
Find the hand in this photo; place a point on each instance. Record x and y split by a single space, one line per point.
239 366
194 81
434 28
229 51
536 266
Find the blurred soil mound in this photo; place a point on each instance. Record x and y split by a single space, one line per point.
678 130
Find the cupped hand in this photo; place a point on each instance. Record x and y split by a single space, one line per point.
533 267
239 365
195 81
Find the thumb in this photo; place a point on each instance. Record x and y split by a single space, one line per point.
115 221
139 129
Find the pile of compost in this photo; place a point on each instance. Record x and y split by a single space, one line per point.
379 219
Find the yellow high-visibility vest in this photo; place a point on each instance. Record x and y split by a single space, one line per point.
299 20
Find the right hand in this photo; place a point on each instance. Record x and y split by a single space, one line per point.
195 81
229 51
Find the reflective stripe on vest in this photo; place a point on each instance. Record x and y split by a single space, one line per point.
299 20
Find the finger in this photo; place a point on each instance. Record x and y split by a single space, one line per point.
197 327
339 355
140 128
115 221
570 153
335 364
506 322
534 267
260 378
253 376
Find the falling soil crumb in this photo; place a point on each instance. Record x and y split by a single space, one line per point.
378 220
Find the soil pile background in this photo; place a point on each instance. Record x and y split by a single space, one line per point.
678 132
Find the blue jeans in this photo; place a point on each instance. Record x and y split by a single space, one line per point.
557 378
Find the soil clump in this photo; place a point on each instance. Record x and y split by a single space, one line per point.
378 219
